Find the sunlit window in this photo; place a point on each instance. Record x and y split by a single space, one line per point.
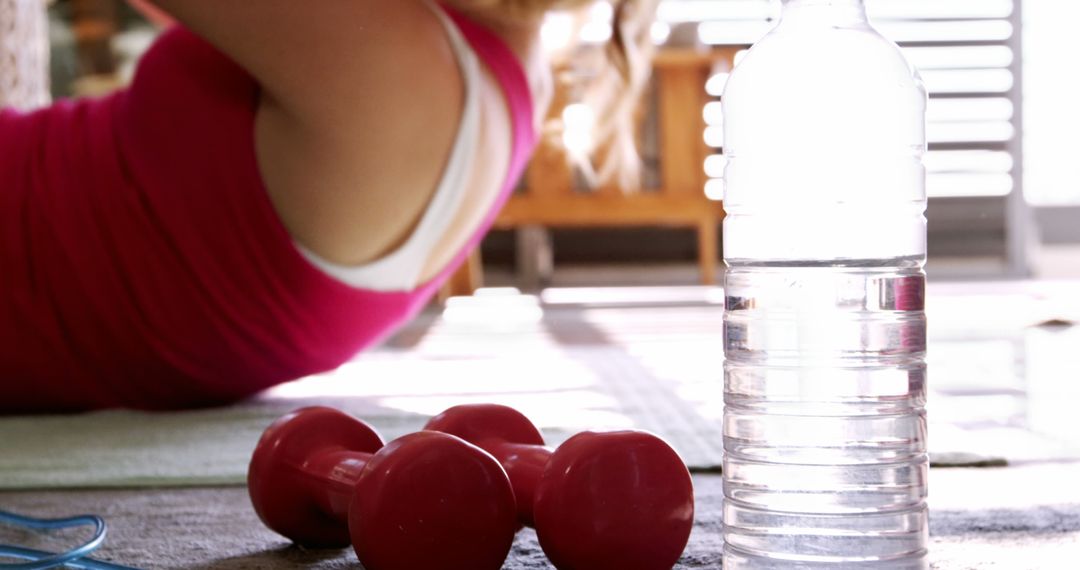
962 49
1051 113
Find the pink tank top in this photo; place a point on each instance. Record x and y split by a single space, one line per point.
141 262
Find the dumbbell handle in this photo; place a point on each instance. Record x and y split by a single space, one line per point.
524 463
330 480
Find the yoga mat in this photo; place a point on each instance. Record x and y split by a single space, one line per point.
570 364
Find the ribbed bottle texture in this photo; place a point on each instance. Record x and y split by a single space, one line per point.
825 335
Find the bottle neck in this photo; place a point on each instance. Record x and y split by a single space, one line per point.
830 13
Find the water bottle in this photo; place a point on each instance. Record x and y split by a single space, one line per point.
824 331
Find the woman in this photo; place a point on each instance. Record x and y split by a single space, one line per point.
279 188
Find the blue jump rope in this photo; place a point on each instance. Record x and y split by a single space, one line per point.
74 558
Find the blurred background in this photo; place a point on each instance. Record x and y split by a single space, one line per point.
1004 184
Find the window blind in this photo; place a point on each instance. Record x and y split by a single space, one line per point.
965 52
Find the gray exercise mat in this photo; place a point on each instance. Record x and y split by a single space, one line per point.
570 365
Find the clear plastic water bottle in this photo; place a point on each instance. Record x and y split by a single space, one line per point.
825 240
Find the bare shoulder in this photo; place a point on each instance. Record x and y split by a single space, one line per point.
351 161
398 53
522 37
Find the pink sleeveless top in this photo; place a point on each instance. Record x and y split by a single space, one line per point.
141 262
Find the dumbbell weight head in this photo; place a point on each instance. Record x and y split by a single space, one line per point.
621 499
510 436
283 492
463 518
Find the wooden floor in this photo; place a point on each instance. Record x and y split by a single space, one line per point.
988 518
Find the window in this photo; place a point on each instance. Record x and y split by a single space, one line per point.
968 53
964 53
1051 105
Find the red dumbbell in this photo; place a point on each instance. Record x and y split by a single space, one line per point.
620 499
427 500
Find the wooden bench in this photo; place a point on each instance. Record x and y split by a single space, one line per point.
550 198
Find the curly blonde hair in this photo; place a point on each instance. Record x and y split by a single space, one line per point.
612 91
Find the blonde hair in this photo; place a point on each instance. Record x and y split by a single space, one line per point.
522 8
611 88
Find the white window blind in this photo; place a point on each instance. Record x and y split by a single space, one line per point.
965 52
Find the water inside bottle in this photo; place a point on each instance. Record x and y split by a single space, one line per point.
824 425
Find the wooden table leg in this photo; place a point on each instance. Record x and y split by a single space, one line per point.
708 250
466 280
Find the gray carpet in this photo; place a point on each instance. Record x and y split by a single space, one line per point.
216 528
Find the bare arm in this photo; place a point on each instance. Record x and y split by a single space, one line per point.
306 53
360 103
151 12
